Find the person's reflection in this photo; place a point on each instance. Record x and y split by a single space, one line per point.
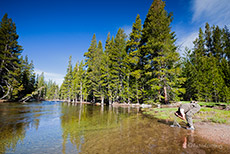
190 137
184 145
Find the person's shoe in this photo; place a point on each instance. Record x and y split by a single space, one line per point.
191 128
177 125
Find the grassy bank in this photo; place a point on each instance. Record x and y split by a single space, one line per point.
206 114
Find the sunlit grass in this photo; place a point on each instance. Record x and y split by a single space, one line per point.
214 115
204 115
161 113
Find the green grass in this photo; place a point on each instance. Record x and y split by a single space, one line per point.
204 115
214 115
161 113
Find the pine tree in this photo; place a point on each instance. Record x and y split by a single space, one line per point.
208 39
41 83
79 81
205 67
225 64
132 61
67 83
89 62
9 58
98 80
226 43
28 76
117 55
200 63
76 83
106 69
159 57
81 74
52 90
217 50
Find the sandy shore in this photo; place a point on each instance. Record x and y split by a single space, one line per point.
218 133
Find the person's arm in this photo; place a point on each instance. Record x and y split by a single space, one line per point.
182 114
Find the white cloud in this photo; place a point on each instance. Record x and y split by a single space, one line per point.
212 11
58 78
215 12
186 42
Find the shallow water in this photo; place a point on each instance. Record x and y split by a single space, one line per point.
55 127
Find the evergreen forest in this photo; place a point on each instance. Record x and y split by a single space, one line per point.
17 77
143 67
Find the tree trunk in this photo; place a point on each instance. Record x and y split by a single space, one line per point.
102 100
165 94
137 92
81 95
159 91
110 101
9 88
128 91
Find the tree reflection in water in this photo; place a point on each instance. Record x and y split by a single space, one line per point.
80 123
50 127
15 119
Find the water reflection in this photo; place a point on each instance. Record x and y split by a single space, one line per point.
51 127
95 129
82 123
15 119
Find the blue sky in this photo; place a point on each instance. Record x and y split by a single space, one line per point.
52 30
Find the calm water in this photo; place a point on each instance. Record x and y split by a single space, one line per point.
54 127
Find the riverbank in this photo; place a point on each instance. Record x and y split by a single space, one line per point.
211 123
215 132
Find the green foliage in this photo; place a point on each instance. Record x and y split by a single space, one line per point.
132 62
207 66
161 113
52 90
117 66
41 83
146 67
205 114
162 71
66 87
214 115
17 74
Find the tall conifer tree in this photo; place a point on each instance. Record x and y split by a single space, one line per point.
10 51
117 55
132 61
106 70
159 57
89 66
68 82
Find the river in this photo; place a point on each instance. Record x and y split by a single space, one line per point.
58 127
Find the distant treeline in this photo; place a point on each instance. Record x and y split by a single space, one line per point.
17 77
146 67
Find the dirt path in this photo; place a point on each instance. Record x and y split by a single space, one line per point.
218 133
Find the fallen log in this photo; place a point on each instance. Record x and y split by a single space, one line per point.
26 98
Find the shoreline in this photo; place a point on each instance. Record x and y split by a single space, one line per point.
217 133
211 124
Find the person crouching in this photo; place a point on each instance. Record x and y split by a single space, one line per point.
186 111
